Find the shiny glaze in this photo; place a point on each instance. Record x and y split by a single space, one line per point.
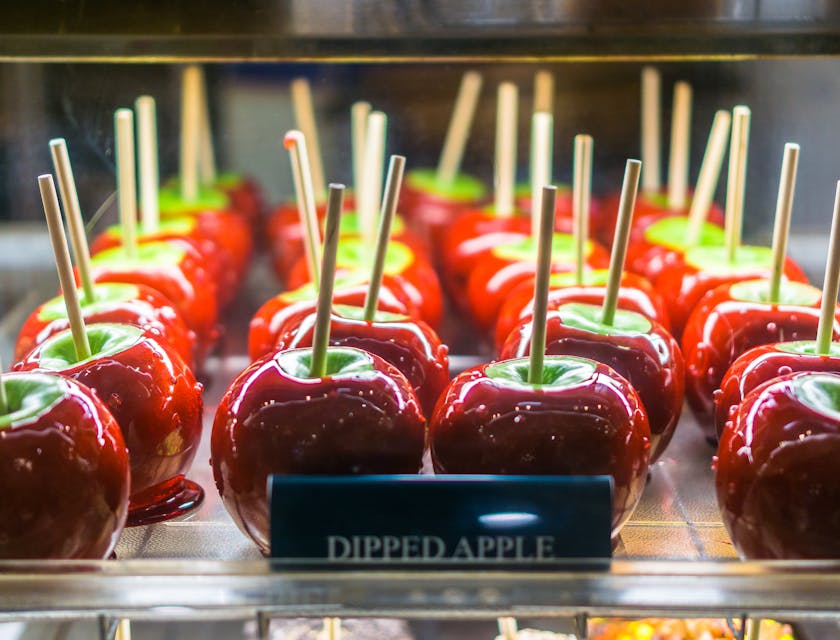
494 279
484 425
682 286
430 215
757 366
157 403
149 310
283 309
564 209
720 329
270 422
419 283
410 346
246 198
635 294
187 284
64 478
651 362
777 479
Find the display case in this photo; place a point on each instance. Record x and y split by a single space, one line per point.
64 70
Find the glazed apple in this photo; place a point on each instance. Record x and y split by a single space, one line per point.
430 206
411 346
584 419
635 347
635 294
155 400
417 277
292 306
176 270
731 320
506 266
115 302
64 471
777 482
765 363
661 245
361 418
704 268
246 197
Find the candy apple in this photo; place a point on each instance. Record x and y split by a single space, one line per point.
583 419
563 209
292 306
636 294
430 206
507 265
155 400
704 268
777 479
418 278
64 471
115 302
246 197
635 347
409 345
731 320
362 417
765 363
661 245
176 270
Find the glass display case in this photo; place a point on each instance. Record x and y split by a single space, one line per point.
64 71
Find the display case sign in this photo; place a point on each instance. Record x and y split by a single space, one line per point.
439 521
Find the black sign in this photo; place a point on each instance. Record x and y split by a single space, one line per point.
439 521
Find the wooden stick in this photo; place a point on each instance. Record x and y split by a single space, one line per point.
707 179
581 198
505 167
458 132
126 179
544 92
831 282
629 189
507 628
190 131
49 198
358 126
542 148
123 630
332 628
386 217
295 142
147 152
781 225
321 335
305 119
369 196
651 83
736 181
206 150
680 147
4 399
75 223
546 235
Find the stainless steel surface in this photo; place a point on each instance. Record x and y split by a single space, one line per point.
419 30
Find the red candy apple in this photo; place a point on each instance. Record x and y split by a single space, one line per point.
635 294
115 302
64 472
765 363
291 306
176 270
411 346
704 268
583 419
777 481
640 350
731 320
155 400
362 417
